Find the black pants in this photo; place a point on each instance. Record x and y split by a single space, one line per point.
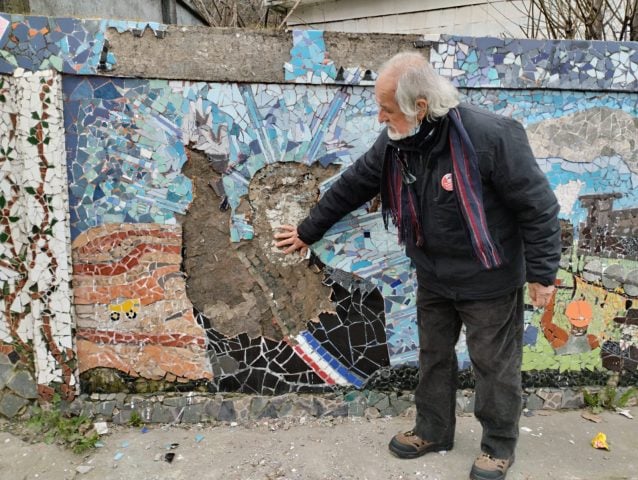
494 335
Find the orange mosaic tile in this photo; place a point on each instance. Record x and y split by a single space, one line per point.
153 362
132 310
166 339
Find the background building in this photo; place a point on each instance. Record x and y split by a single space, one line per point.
459 17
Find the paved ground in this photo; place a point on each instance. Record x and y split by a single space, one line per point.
553 446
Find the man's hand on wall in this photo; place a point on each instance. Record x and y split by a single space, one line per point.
540 294
289 240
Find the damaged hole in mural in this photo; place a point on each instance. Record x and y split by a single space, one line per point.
248 286
273 324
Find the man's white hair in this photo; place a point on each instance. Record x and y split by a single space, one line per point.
417 79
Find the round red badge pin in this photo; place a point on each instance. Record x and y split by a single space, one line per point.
446 182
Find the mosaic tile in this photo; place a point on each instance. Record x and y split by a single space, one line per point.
590 149
621 353
257 365
339 349
68 45
352 341
360 244
249 127
131 306
309 57
309 63
112 180
35 307
240 229
514 63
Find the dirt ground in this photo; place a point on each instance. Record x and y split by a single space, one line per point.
553 445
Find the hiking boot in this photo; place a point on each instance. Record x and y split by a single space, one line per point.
486 467
410 445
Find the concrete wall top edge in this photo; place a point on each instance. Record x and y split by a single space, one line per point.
211 54
152 50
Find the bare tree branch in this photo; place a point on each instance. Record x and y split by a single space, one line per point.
235 13
283 22
203 11
588 19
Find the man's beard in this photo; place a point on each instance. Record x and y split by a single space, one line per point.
396 136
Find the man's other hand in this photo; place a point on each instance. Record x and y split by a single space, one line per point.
540 294
288 239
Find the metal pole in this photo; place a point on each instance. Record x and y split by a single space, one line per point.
169 12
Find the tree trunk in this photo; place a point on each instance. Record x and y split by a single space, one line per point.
594 22
633 30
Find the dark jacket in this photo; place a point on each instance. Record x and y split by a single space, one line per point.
520 207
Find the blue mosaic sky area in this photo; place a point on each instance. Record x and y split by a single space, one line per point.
125 139
124 153
604 174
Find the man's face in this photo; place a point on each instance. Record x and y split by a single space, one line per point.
399 125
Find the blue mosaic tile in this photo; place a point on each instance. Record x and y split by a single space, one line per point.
240 229
350 377
124 158
256 125
309 63
557 64
68 45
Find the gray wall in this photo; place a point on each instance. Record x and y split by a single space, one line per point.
149 10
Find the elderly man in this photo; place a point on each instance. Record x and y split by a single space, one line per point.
478 219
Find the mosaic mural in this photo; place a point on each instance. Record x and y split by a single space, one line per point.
309 63
245 128
516 63
132 313
35 300
68 45
129 141
253 127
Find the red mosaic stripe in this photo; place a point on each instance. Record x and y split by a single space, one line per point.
112 337
107 242
312 364
131 260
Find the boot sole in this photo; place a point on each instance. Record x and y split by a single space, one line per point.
408 455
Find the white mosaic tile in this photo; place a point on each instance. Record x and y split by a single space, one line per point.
42 199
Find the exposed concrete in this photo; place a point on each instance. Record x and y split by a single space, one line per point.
239 55
369 50
247 287
14 6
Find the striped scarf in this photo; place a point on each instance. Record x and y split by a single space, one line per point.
400 204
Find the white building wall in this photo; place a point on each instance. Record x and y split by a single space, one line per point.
460 17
